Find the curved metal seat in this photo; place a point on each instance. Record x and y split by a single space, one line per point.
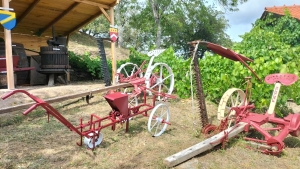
284 78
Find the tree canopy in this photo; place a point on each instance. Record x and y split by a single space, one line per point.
149 24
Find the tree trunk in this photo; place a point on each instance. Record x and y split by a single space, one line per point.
158 35
156 16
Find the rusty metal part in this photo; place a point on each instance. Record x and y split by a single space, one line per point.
209 129
199 88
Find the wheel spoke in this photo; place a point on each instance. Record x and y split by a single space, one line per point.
133 71
157 127
126 72
166 78
165 86
237 99
161 71
160 114
154 85
154 124
231 99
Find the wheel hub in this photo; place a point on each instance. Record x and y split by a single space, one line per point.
159 119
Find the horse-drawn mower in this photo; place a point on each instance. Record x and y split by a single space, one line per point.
236 115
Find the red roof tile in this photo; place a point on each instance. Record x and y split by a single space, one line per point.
294 10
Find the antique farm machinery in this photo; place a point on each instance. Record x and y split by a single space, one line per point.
122 110
236 116
162 81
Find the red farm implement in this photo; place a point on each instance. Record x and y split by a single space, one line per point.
122 109
236 116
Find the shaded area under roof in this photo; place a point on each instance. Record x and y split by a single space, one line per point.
35 18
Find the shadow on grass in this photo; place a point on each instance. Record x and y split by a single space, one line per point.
292 142
19 118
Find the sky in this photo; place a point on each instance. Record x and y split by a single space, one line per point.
241 21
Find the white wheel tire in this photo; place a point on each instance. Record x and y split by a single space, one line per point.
89 141
128 72
155 121
228 96
160 81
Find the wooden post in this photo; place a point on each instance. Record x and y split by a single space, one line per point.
113 46
8 53
203 146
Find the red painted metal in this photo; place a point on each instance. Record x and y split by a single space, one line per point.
15 64
120 112
284 126
3 61
119 103
132 77
228 53
285 79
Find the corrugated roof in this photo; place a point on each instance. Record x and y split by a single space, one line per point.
294 10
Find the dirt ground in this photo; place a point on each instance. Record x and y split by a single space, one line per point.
31 142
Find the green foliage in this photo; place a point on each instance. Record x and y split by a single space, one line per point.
173 23
274 46
87 63
272 52
92 65
180 68
99 26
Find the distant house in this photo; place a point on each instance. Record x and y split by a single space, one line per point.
279 11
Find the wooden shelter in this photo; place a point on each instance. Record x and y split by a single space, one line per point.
35 19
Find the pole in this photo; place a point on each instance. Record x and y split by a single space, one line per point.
8 53
113 46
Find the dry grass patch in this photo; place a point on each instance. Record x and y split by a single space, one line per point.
32 142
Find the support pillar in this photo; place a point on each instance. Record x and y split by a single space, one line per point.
113 48
8 53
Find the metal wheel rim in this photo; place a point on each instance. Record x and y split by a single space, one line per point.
156 117
128 73
89 141
233 97
161 78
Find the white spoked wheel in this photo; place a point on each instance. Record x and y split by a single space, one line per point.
89 141
233 97
132 100
159 119
128 70
161 78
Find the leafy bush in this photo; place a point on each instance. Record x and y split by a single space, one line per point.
87 63
272 44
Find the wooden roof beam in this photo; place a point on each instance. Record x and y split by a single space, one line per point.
84 23
93 3
105 14
27 11
41 31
